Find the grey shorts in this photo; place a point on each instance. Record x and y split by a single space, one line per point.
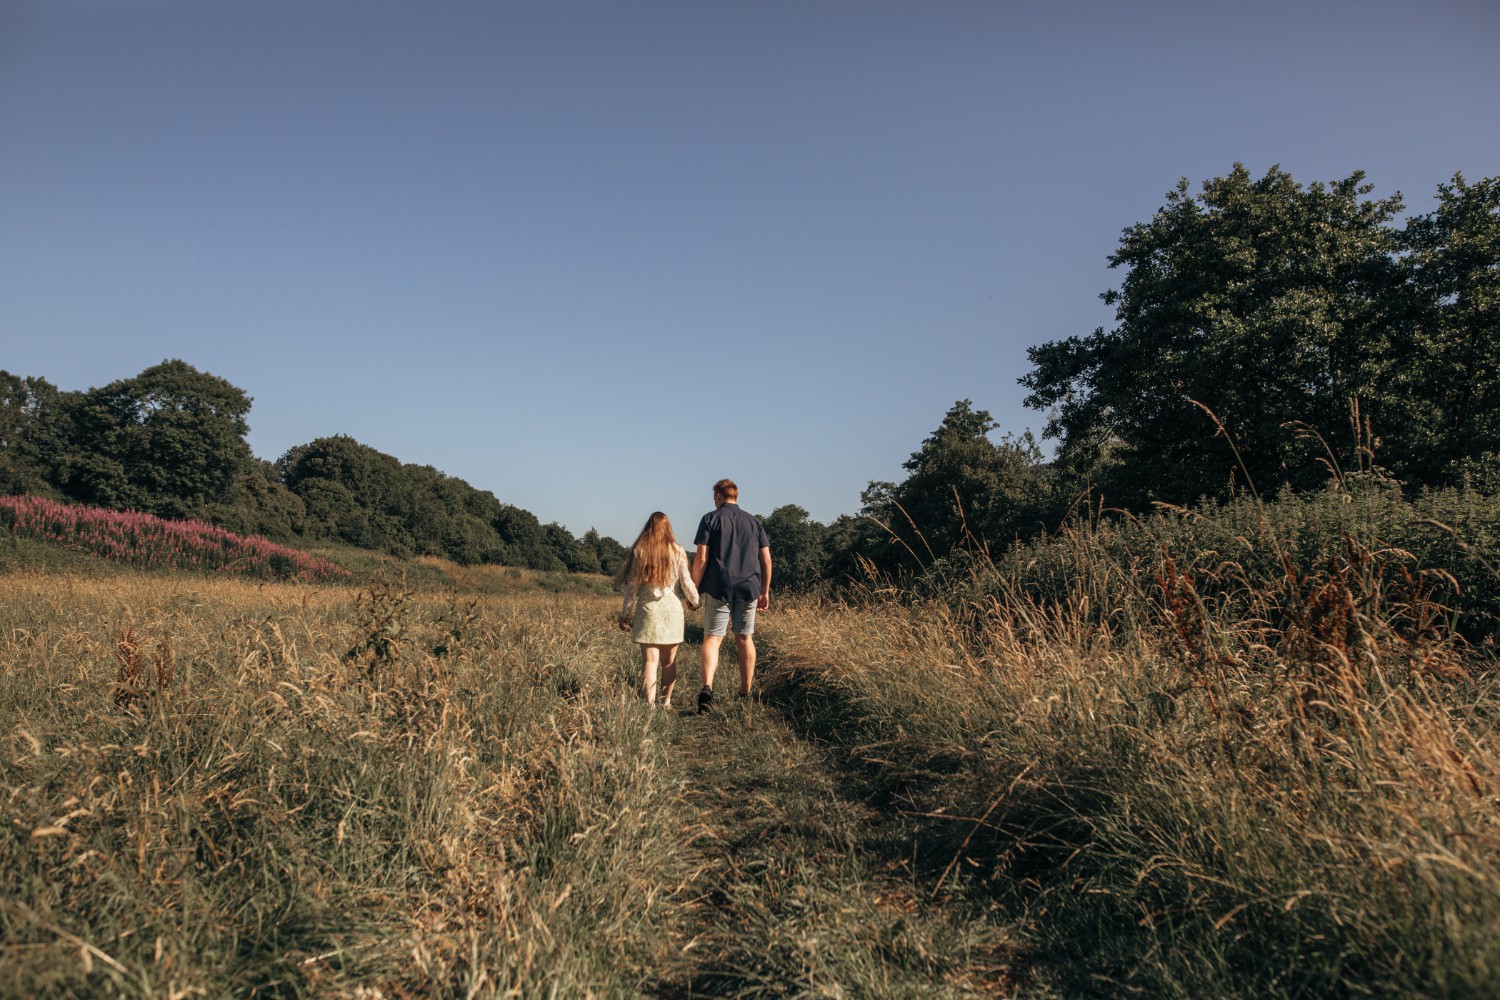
719 615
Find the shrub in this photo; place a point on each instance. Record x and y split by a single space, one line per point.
148 541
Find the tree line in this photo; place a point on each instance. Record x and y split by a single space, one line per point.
1268 335
171 442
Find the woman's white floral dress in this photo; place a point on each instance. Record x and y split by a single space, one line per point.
658 612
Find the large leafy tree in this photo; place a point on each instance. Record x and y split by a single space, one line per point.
351 492
373 476
1449 385
797 546
609 552
258 504
1266 301
964 490
575 555
167 441
851 545
526 538
33 434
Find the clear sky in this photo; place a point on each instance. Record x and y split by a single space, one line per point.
594 256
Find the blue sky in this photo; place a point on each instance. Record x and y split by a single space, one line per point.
594 256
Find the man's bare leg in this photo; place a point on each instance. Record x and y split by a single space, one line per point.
711 645
744 647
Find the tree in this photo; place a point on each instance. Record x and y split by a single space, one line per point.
797 546
352 493
32 434
575 556
167 441
610 553
850 544
257 504
964 489
1266 301
525 538
1450 391
372 476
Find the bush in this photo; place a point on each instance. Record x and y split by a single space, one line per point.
149 541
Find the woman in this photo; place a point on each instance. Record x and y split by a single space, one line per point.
653 571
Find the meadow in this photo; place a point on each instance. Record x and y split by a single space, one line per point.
1246 751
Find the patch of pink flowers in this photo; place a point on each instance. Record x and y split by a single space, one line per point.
154 542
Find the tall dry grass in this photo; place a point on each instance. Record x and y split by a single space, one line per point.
214 787
1231 752
1192 778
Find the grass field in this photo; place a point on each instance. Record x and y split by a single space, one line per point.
1070 775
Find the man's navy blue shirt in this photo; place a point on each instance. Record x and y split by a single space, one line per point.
734 539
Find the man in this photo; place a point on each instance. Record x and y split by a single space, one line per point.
732 571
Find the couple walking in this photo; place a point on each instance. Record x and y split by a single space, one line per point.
731 570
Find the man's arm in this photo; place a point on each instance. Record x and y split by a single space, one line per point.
700 563
765 580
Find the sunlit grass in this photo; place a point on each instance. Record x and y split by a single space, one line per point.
226 787
1201 755
1186 778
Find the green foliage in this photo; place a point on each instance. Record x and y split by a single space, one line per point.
576 555
609 553
965 488
256 503
1446 394
31 435
797 548
350 492
357 495
166 442
965 491
1264 300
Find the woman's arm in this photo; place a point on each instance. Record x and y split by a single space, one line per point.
685 577
627 607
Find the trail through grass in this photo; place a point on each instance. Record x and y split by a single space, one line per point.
796 886
789 880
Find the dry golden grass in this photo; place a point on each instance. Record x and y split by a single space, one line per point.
218 787
221 788
1294 792
1153 773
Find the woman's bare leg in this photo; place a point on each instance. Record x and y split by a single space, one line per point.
651 655
668 672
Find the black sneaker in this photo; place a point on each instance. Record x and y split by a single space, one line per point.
705 700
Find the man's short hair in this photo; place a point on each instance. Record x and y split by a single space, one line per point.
725 488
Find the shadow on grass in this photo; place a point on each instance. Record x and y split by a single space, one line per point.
803 886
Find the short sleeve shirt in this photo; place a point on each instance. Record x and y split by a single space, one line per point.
734 539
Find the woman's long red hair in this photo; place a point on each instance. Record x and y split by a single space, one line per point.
652 555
